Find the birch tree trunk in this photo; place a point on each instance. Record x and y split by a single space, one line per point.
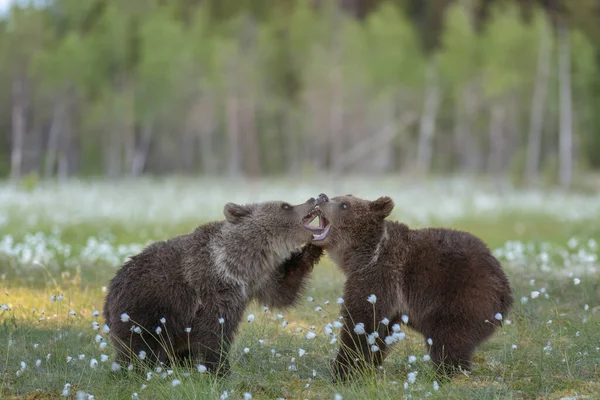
142 147
233 132
56 127
496 139
536 123
18 128
566 107
427 121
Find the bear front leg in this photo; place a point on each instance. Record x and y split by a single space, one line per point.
289 280
213 332
362 338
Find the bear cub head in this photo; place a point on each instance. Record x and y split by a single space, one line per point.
272 220
345 221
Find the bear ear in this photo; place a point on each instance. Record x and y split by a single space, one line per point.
382 207
235 212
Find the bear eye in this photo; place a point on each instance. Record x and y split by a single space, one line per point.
343 206
286 206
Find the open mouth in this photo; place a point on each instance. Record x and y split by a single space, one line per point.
322 228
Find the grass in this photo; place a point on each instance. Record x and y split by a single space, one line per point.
548 350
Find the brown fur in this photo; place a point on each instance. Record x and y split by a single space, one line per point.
446 281
211 273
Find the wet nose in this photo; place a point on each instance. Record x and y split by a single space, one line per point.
322 198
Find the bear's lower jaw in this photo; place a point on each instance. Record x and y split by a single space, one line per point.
323 226
323 235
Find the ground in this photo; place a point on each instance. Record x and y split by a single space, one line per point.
59 246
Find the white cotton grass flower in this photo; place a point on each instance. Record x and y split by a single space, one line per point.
412 359
105 328
301 352
103 358
498 316
412 376
430 341
310 299
246 350
576 281
359 328
337 324
436 386
395 328
310 335
405 319
175 382
340 300
66 390
284 324
372 337
124 317
158 330
372 299
265 309
221 320
328 329
137 330
188 330
337 397
385 321
103 345
135 396
93 363
535 294
202 368
318 308
38 363
72 313
279 316
69 359
114 367
251 318
95 325
374 348
247 396
426 357
95 313
142 355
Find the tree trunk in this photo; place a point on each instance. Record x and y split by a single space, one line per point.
18 128
233 133
566 107
496 140
142 147
64 149
536 122
250 136
427 122
205 124
56 128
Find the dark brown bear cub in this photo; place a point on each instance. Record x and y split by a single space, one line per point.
443 283
184 298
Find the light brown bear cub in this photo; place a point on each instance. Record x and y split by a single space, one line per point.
184 298
445 283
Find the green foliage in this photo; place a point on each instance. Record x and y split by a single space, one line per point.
123 64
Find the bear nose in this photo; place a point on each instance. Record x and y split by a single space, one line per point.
322 198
